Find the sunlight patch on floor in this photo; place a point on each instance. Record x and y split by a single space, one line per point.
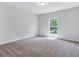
53 36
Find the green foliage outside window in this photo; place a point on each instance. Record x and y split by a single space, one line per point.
53 22
53 26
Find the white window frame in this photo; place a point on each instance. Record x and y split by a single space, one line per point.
53 26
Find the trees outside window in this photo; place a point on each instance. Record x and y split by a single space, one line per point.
53 25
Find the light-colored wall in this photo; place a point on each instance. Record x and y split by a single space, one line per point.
16 23
68 23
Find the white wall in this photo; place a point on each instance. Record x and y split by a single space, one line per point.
16 23
68 26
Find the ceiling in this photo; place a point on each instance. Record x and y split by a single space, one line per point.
49 7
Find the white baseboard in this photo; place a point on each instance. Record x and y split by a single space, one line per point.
74 40
13 40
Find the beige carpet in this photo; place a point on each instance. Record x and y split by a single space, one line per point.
40 47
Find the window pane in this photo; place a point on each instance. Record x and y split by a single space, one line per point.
53 22
53 25
53 30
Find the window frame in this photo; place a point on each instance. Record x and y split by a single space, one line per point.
52 26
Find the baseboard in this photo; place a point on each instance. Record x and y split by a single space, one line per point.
71 40
20 38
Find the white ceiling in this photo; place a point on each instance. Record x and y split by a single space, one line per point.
37 9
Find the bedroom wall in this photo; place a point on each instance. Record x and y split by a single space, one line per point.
16 24
68 23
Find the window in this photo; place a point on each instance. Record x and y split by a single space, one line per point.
53 25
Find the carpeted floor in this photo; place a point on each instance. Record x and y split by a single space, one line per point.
40 47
